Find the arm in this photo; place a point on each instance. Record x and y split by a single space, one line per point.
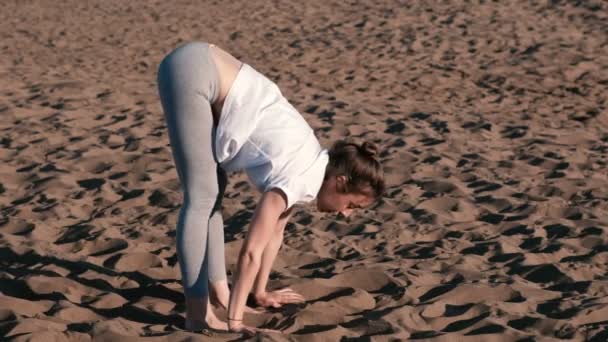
261 229
269 254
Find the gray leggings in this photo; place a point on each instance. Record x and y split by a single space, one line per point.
188 84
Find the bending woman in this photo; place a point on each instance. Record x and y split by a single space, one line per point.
222 116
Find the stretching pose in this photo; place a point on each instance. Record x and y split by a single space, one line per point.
222 115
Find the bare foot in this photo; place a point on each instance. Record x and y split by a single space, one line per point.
250 331
211 324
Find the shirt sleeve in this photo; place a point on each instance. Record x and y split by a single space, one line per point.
261 177
289 188
294 189
303 187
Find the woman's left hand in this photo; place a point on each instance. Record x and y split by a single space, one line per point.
277 298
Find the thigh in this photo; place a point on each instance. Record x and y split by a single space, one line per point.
185 88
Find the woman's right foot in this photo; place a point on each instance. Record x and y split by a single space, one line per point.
212 324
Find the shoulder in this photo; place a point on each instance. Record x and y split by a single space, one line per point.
277 199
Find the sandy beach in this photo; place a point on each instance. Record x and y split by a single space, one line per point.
492 121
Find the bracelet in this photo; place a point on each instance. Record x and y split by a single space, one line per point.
232 319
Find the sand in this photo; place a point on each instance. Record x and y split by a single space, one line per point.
491 116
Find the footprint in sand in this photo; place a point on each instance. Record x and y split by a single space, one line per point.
106 246
17 226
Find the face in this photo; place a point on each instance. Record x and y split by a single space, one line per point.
332 198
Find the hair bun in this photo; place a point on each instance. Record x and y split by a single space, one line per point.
369 149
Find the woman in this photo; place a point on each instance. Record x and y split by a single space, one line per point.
222 116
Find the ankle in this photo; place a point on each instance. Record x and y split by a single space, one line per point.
212 321
215 301
193 324
211 317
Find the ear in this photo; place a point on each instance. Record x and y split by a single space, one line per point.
341 185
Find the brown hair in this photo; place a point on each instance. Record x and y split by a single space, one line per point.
358 162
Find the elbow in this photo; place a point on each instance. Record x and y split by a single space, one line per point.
250 257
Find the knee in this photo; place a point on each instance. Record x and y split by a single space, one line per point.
202 206
199 203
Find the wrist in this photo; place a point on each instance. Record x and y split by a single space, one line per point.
260 295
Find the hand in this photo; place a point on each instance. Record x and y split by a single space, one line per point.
277 298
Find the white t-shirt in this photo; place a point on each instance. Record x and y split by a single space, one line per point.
260 132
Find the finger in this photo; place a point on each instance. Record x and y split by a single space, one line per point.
295 295
289 293
292 298
286 289
291 301
270 331
249 331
